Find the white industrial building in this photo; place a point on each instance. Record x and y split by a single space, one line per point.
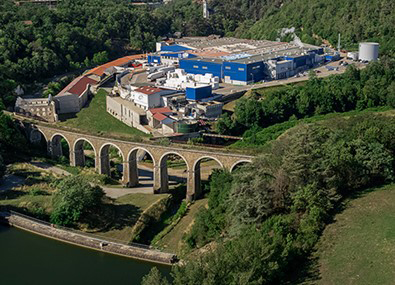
180 80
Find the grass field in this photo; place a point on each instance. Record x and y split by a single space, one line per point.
95 119
359 247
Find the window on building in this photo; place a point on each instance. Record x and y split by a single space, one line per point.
204 67
227 67
195 66
241 69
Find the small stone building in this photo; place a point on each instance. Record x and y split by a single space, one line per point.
41 108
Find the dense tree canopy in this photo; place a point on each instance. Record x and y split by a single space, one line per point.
278 205
353 90
37 42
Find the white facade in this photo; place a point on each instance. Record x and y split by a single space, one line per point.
149 97
126 112
280 69
146 101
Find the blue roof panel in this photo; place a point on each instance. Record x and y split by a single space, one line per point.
174 48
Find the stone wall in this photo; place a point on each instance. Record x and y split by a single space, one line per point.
51 231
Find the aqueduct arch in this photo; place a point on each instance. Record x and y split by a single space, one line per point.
238 164
197 176
78 153
128 151
104 159
133 165
55 145
164 172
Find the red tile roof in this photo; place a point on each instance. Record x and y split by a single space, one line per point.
78 85
148 90
160 110
118 62
160 117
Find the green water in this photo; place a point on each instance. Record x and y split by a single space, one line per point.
29 259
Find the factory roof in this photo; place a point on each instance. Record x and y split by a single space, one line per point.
160 117
78 86
162 110
219 50
118 62
147 90
174 48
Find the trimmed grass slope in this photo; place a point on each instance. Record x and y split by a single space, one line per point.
95 119
359 248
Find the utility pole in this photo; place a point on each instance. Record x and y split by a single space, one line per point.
338 44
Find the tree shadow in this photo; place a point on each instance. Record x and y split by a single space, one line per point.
12 194
113 217
125 216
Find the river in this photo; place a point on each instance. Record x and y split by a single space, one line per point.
27 258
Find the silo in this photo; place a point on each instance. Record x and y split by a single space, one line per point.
368 51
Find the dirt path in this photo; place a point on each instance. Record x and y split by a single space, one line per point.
172 242
145 186
10 181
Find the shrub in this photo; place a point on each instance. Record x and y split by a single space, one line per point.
75 198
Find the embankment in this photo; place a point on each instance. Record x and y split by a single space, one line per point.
51 231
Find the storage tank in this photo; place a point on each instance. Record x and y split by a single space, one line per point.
368 51
186 127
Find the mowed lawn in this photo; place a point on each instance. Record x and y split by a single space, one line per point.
359 247
95 120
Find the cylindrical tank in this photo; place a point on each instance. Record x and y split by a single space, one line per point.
368 51
185 128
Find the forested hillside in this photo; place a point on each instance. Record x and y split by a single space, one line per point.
356 21
313 20
37 42
264 220
256 115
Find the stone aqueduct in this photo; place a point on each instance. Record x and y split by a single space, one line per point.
128 151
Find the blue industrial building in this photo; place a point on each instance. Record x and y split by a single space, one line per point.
250 69
243 64
199 93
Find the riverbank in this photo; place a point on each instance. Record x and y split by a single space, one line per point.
51 231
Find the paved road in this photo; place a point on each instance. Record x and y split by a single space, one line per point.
227 89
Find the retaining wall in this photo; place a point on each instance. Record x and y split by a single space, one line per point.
51 231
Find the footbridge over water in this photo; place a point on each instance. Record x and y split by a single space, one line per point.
128 151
